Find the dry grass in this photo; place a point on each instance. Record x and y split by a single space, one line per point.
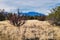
31 29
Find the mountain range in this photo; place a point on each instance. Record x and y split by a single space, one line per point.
32 14
29 14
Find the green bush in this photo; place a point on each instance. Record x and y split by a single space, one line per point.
55 15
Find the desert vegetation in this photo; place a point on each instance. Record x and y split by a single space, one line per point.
2 16
17 27
54 16
14 19
17 19
31 30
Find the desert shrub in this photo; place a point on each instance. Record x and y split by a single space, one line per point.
9 16
16 20
42 18
2 17
54 16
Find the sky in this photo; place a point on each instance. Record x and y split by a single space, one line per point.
41 6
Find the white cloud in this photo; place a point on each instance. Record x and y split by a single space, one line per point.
29 5
5 6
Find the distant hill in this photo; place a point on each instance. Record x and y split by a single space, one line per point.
29 14
32 14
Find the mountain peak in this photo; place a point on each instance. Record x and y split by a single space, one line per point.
33 14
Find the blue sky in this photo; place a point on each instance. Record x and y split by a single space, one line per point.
42 6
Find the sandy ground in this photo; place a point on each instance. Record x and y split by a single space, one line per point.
31 29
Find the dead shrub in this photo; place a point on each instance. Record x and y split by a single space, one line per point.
16 20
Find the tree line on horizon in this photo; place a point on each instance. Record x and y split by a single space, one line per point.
5 16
